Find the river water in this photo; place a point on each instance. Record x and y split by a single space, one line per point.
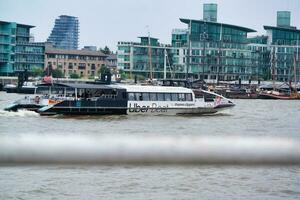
249 118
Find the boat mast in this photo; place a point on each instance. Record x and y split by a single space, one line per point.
296 60
219 53
150 56
165 63
204 49
273 67
188 51
295 70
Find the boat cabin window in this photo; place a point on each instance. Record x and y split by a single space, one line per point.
168 97
198 94
70 92
174 97
188 97
152 96
138 96
146 96
60 91
160 96
181 97
100 93
42 90
209 97
131 96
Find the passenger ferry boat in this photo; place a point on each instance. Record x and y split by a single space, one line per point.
93 99
44 95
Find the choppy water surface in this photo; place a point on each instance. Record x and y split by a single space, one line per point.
250 118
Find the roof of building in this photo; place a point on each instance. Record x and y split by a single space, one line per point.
146 37
83 52
291 29
187 21
112 57
25 25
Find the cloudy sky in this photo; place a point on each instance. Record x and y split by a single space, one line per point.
105 22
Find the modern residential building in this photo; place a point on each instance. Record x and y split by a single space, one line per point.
283 43
279 49
85 63
16 51
150 59
213 51
218 51
206 50
65 33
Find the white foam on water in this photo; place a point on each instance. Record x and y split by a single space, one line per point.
19 113
120 149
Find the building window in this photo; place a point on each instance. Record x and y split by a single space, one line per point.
81 66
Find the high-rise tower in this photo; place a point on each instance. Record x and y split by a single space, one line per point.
65 33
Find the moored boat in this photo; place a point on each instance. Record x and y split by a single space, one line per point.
278 95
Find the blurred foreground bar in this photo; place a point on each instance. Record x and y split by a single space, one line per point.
137 150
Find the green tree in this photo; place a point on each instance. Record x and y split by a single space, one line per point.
74 76
103 70
106 50
123 74
48 70
57 73
37 71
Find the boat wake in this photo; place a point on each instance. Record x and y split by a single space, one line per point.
120 149
20 113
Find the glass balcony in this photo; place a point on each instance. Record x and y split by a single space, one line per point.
23 34
4 33
3 41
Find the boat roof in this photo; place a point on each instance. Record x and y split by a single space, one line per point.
148 88
81 85
129 88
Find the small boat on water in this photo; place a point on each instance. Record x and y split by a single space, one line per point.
26 88
92 99
281 92
279 95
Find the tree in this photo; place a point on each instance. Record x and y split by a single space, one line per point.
37 71
106 50
48 70
123 74
104 70
57 73
74 76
